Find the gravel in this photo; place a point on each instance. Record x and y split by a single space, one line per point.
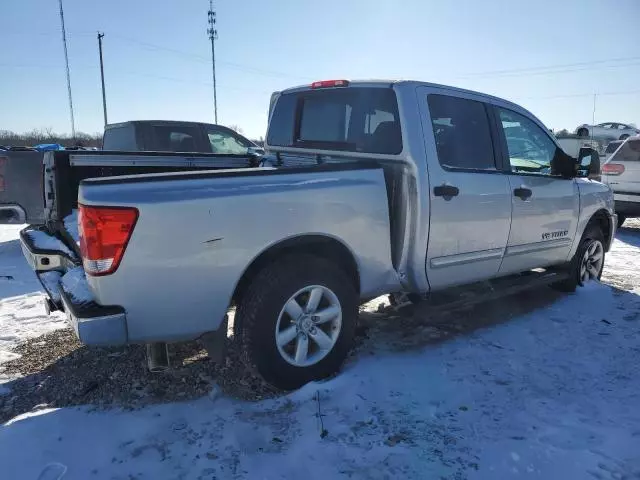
55 370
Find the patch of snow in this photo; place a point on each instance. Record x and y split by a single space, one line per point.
75 283
549 394
22 312
71 225
45 241
51 281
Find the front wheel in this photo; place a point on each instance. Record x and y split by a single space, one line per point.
587 263
298 320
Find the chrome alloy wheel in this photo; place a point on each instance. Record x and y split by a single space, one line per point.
592 260
308 326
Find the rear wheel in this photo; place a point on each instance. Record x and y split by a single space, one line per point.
583 132
624 137
587 263
298 320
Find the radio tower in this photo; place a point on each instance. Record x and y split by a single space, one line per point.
213 36
66 60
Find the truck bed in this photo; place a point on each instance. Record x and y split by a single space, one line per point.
39 188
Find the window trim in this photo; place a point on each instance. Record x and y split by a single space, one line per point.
330 146
506 162
497 159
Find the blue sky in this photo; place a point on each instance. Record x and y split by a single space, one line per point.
548 56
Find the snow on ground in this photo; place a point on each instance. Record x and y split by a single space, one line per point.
22 313
551 394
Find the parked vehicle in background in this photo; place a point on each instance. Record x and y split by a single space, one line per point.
162 147
622 173
607 131
176 136
611 148
369 188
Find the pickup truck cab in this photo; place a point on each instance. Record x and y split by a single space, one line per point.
367 188
175 136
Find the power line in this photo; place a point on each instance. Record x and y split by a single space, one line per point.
551 67
213 36
104 96
66 60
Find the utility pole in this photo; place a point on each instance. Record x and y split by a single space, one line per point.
104 97
66 59
213 36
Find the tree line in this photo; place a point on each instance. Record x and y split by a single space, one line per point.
36 137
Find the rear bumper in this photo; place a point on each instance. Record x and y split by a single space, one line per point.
67 289
95 324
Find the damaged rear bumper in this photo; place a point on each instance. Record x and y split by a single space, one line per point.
64 281
94 324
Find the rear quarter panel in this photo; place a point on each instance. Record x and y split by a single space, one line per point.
195 237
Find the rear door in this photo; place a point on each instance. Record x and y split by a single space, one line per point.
545 207
469 195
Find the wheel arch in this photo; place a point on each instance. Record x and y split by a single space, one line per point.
602 220
320 245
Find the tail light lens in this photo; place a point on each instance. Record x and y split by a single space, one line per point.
613 168
104 235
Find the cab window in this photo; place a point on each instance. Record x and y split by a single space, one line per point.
462 133
529 147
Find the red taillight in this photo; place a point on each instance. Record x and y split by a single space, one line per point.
613 168
330 84
104 234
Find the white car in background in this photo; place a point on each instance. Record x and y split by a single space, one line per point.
622 173
607 131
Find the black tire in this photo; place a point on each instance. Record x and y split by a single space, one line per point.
261 306
569 285
621 219
583 132
624 137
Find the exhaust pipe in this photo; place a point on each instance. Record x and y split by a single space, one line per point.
157 357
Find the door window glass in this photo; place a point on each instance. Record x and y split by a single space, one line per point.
226 143
462 134
174 138
530 148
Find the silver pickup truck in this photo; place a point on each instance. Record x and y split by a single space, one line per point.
367 188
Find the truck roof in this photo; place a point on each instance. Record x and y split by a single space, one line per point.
382 83
161 122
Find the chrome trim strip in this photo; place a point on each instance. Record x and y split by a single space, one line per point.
462 258
156 161
537 246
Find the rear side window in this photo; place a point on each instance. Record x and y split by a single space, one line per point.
355 119
120 138
462 133
173 138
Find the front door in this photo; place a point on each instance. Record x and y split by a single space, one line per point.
545 206
469 196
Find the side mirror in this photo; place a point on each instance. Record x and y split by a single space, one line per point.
589 163
563 165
